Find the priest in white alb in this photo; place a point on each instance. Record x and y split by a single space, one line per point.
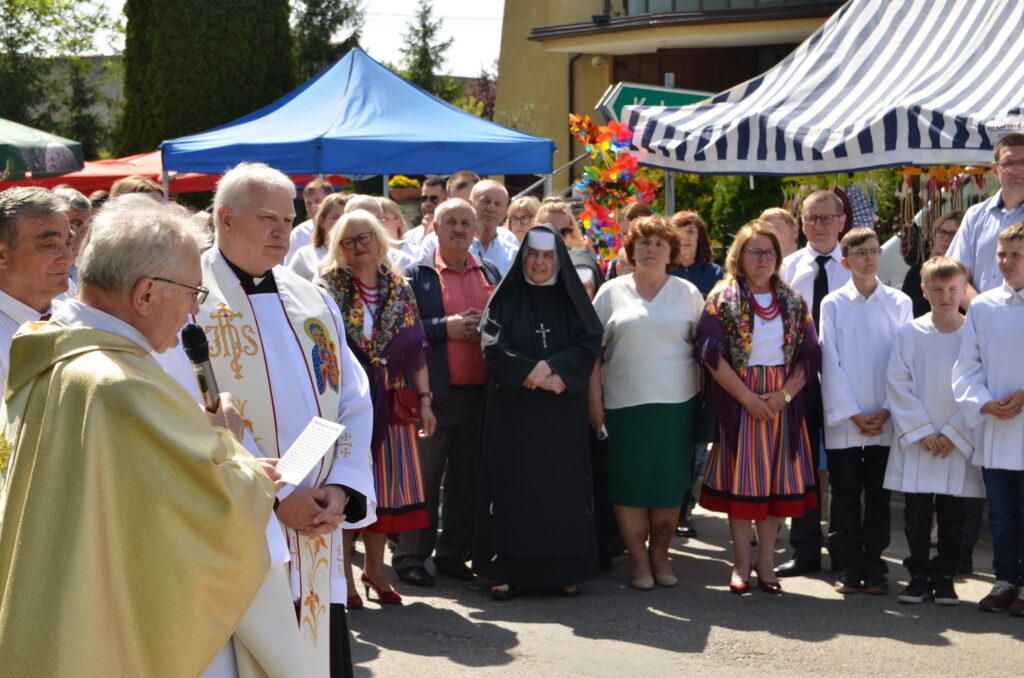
277 343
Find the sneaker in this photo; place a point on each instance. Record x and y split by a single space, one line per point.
1017 607
876 584
945 594
999 598
848 582
918 590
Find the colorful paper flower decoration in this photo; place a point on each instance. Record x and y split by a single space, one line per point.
609 183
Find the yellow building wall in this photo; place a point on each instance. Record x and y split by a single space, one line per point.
533 91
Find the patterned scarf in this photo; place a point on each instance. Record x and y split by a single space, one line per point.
396 310
730 304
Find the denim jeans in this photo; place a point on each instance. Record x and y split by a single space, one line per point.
1005 491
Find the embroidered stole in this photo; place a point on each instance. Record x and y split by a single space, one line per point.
236 352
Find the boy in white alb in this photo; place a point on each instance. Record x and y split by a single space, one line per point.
930 456
987 380
859 322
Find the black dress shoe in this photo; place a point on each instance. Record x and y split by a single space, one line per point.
456 570
797 567
687 530
416 575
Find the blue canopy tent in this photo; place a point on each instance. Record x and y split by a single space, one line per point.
881 83
359 118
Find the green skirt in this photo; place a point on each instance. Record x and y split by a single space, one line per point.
650 448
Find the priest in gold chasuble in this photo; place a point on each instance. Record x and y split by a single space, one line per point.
277 343
132 527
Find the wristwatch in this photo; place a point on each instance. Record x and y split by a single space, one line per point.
785 396
426 394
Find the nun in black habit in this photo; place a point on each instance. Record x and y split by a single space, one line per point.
540 337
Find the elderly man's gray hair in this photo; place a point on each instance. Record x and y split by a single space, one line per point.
26 202
234 187
73 198
450 204
135 237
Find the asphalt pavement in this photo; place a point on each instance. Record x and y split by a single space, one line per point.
610 630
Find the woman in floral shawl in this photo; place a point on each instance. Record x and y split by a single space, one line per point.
384 331
757 339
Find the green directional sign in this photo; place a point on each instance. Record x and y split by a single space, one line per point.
623 94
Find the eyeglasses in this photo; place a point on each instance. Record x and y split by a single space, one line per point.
363 238
200 292
943 233
431 198
770 255
823 219
520 220
868 252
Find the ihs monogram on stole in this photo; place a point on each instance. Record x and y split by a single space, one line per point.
228 339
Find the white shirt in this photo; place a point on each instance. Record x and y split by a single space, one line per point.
648 345
989 368
13 314
401 258
306 262
300 237
975 242
412 242
857 335
801 267
920 391
766 345
501 252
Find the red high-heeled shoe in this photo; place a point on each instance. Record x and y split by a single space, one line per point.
774 587
385 597
738 586
354 602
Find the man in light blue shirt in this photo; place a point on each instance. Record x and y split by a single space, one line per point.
975 242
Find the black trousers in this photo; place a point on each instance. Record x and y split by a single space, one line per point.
452 453
860 537
341 650
917 515
805 532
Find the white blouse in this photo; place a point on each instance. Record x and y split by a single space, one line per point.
766 347
648 345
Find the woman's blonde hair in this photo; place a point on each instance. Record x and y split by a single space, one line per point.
526 203
391 209
733 260
335 257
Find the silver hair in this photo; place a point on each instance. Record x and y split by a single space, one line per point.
367 203
335 259
26 202
482 185
74 198
135 237
234 187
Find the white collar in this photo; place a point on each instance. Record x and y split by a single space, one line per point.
74 313
836 254
1011 296
19 312
853 294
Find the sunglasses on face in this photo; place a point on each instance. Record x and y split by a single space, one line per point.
430 198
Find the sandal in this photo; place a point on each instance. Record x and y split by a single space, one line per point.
570 591
505 592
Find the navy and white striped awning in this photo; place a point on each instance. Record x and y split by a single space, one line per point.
881 83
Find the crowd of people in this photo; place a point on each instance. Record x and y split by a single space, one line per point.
490 377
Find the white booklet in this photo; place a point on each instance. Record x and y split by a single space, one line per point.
309 448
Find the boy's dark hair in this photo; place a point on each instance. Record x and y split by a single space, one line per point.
857 236
942 268
1010 140
460 180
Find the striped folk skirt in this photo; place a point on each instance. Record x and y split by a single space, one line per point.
401 503
764 476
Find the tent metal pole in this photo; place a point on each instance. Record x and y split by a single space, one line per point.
387 191
167 185
670 193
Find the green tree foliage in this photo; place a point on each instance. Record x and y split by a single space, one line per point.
736 202
423 56
482 93
193 64
44 82
315 24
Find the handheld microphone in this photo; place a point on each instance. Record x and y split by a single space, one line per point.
197 348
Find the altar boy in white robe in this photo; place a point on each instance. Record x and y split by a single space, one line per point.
987 380
277 344
932 445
